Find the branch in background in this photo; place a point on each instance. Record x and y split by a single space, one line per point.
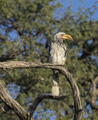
87 51
68 76
10 56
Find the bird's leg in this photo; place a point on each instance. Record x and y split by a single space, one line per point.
55 85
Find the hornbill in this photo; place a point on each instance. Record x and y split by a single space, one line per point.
58 54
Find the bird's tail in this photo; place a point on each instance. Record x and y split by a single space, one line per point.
55 84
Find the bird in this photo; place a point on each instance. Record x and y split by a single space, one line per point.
58 53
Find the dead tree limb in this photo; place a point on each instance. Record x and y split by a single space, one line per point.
76 93
18 109
13 104
40 98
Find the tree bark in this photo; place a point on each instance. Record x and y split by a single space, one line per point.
75 89
40 98
13 104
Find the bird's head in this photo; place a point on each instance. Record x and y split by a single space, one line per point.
60 36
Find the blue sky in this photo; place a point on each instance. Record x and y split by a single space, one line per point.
80 3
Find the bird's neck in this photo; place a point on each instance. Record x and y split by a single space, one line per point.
58 41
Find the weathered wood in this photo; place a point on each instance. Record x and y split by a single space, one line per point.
76 94
40 98
22 64
13 104
18 109
75 89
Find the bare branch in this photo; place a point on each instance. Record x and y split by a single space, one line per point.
5 96
22 64
40 98
75 89
94 92
11 55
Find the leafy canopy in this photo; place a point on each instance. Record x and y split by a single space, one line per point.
27 28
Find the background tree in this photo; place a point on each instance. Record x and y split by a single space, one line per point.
26 30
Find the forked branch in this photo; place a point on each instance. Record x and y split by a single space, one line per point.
76 93
40 98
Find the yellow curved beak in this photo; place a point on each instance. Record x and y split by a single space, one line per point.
67 37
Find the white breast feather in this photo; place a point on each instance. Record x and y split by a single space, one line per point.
57 54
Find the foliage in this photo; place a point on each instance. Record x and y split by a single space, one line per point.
28 26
